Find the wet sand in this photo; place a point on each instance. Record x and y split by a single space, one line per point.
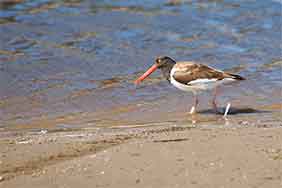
166 156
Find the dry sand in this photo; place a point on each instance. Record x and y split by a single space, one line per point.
165 156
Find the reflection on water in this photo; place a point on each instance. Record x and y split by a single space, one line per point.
72 63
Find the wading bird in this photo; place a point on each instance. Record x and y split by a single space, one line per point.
192 77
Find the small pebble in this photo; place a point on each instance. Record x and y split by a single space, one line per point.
24 142
137 181
1 178
244 122
244 176
93 156
43 131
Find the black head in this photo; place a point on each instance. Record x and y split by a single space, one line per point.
164 61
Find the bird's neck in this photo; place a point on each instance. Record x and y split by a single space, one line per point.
166 71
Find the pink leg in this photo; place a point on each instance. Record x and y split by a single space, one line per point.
196 102
214 100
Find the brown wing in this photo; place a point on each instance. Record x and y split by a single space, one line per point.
187 72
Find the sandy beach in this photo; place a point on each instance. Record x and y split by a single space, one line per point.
166 156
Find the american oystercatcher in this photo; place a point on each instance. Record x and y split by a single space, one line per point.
192 77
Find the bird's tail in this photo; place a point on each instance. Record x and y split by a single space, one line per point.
236 77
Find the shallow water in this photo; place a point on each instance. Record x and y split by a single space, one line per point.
66 64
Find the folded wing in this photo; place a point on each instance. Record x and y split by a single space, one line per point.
190 73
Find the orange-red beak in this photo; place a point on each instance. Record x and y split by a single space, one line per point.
146 74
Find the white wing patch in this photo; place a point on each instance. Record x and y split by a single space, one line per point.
202 81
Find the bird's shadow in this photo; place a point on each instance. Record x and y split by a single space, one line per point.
234 111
